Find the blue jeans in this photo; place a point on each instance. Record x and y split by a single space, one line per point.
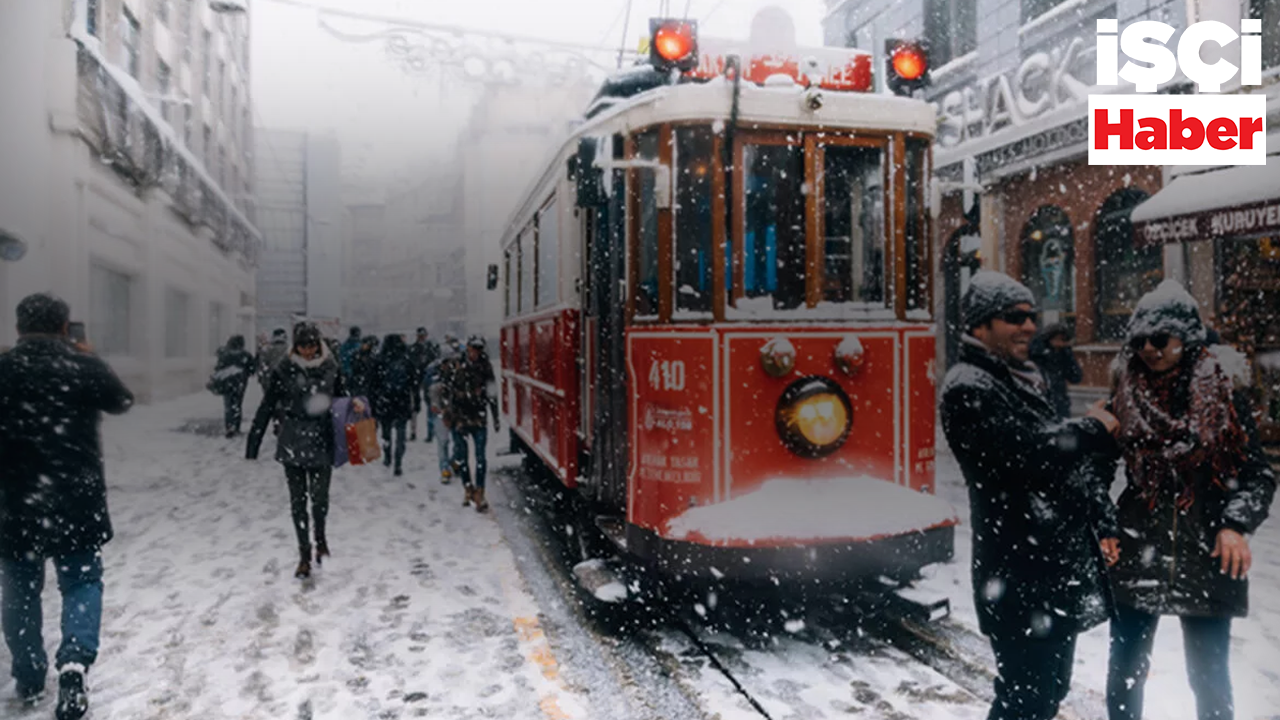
393 429
444 443
480 436
1206 644
80 582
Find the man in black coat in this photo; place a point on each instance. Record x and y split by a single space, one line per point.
1039 577
53 496
422 353
231 375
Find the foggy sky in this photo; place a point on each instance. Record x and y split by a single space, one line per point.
389 122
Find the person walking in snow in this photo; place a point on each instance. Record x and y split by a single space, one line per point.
422 353
231 374
438 376
364 365
1197 485
301 391
271 356
394 387
1051 352
347 351
1038 573
53 497
469 393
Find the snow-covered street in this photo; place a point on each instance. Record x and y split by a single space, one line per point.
420 612
428 609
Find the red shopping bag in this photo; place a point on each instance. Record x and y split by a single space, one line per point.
362 442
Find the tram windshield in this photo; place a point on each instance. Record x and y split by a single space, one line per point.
811 234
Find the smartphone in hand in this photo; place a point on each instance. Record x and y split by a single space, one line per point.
76 333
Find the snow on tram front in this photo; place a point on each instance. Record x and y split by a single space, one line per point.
717 327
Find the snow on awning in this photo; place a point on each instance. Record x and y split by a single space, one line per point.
804 511
1241 201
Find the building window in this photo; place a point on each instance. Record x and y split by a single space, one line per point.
177 323
548 236
1048 262
217 326
206 49
951 28
1268 11
1032 9
131 39
91 17
163 82
111 317
1125 271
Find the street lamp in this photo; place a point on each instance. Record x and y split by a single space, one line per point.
11 247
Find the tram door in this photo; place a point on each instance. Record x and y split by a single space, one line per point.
604 421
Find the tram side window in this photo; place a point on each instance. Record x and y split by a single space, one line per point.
526 254
774 237
647 251
508 281
694 147
917 249
853 184
548 234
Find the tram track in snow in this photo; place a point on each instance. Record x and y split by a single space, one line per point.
877 665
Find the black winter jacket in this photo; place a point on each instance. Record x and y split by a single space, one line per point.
395 378
1165 566
422 354
1034 502
301 392
469 391
235 366
53 494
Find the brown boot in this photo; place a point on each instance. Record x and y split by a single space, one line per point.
322 551
466 499
304 570
478 497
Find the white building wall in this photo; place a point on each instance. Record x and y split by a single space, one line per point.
81 221
324 227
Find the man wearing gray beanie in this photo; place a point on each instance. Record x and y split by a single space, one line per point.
1039 575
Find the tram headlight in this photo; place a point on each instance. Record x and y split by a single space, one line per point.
814 417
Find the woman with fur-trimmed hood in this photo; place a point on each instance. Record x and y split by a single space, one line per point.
301 390
1197 486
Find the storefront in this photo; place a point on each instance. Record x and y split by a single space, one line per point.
1222 227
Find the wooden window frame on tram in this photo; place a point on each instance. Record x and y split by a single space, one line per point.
891 143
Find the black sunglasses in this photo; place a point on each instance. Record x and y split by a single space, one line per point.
1017 317
1157 340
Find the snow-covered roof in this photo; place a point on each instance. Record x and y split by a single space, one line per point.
1227 187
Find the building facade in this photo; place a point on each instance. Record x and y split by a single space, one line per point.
298 182
1010 85
126 142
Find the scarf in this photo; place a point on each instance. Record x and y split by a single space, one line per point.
1025 374
1177 423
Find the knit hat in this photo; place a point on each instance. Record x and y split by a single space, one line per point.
1168 309
306 334
279 334
989 294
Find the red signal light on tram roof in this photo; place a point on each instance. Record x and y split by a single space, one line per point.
907 64
673 44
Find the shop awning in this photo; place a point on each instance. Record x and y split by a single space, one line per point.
1241 201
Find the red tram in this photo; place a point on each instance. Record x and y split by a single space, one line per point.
717 327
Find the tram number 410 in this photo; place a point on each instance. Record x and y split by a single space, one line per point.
667 375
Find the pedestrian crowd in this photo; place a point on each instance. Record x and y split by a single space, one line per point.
1053 554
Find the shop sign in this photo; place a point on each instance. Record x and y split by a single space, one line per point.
1253 220
1043 82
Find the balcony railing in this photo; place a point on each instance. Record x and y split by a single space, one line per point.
134 140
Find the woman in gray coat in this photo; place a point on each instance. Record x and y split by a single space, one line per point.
301 389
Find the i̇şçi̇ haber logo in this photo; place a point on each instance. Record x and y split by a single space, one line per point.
1203 129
